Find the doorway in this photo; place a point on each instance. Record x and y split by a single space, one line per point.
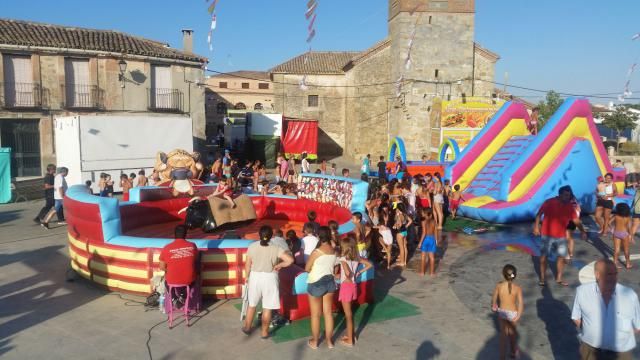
23 137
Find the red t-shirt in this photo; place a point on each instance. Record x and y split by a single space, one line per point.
180 257
557 216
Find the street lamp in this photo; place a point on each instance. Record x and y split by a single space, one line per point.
122 65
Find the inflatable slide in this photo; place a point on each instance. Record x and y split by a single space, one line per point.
506 173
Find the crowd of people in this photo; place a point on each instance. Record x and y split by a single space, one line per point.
401 215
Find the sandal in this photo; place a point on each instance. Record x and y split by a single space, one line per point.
345 342
246 331
314 347
563 283
542 283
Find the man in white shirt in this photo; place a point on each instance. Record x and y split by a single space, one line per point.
607 315
306 167
59 191
309 241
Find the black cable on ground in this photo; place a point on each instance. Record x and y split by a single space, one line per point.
149 337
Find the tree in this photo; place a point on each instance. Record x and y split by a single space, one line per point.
620 120
548 107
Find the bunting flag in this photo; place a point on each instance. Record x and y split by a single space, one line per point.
214 24
627 92
212 7
311 16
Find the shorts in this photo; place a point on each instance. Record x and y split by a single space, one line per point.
403 233
607 204
320 288
387 237
400 175
264 286
348 291
438 199
429 244
553 247
635 216
125 196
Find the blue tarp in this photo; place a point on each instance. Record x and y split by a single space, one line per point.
5 175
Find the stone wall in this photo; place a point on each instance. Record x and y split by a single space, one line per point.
484 69
367 117
291 101
49 72
443 42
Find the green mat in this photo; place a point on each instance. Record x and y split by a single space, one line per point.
460 223
386 308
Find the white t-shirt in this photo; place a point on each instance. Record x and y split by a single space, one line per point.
305 166
308 244
58 183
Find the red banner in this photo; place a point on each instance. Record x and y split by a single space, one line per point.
300 136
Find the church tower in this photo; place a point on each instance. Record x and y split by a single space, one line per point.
438 38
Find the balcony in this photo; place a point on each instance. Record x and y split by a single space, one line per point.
169 100
82 97
19 96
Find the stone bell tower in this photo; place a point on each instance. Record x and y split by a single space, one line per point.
441 64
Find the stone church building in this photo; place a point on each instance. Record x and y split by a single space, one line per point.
362 99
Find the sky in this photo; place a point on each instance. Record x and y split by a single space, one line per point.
571 46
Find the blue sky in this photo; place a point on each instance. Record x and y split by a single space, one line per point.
574 46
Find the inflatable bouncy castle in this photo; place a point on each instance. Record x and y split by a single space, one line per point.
117 244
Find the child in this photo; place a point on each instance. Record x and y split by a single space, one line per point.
294 246
621 233
333 169
108 185
102 184
428 245
382 169
132 177
323 167
335 237
142 179
349 263
509 295
125 184
312 216
455 200
88 185
263 187
309 241
386 237
224 190
364 245
358 227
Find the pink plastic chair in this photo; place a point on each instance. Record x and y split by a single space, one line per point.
192 300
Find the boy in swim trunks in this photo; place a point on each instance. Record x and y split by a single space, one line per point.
455 200
606 191
428 245
507 302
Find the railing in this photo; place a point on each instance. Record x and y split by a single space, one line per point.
82 96
17 95
165 99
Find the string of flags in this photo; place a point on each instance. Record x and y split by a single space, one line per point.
311 16
627 92
211 10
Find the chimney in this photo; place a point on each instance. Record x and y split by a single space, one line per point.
187 40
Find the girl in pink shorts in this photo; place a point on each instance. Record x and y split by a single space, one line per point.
349 263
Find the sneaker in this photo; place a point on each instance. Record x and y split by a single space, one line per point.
37 220
61 223
44 225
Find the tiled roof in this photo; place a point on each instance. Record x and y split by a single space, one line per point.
490 55
26 33
377 47
318 63
248 74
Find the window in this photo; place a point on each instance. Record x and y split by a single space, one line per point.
222 85
221 108
257 106
263 86
313 101
162 96
19 89
245 85
240 106
79 93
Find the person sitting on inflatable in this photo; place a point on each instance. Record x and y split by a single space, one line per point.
224 191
